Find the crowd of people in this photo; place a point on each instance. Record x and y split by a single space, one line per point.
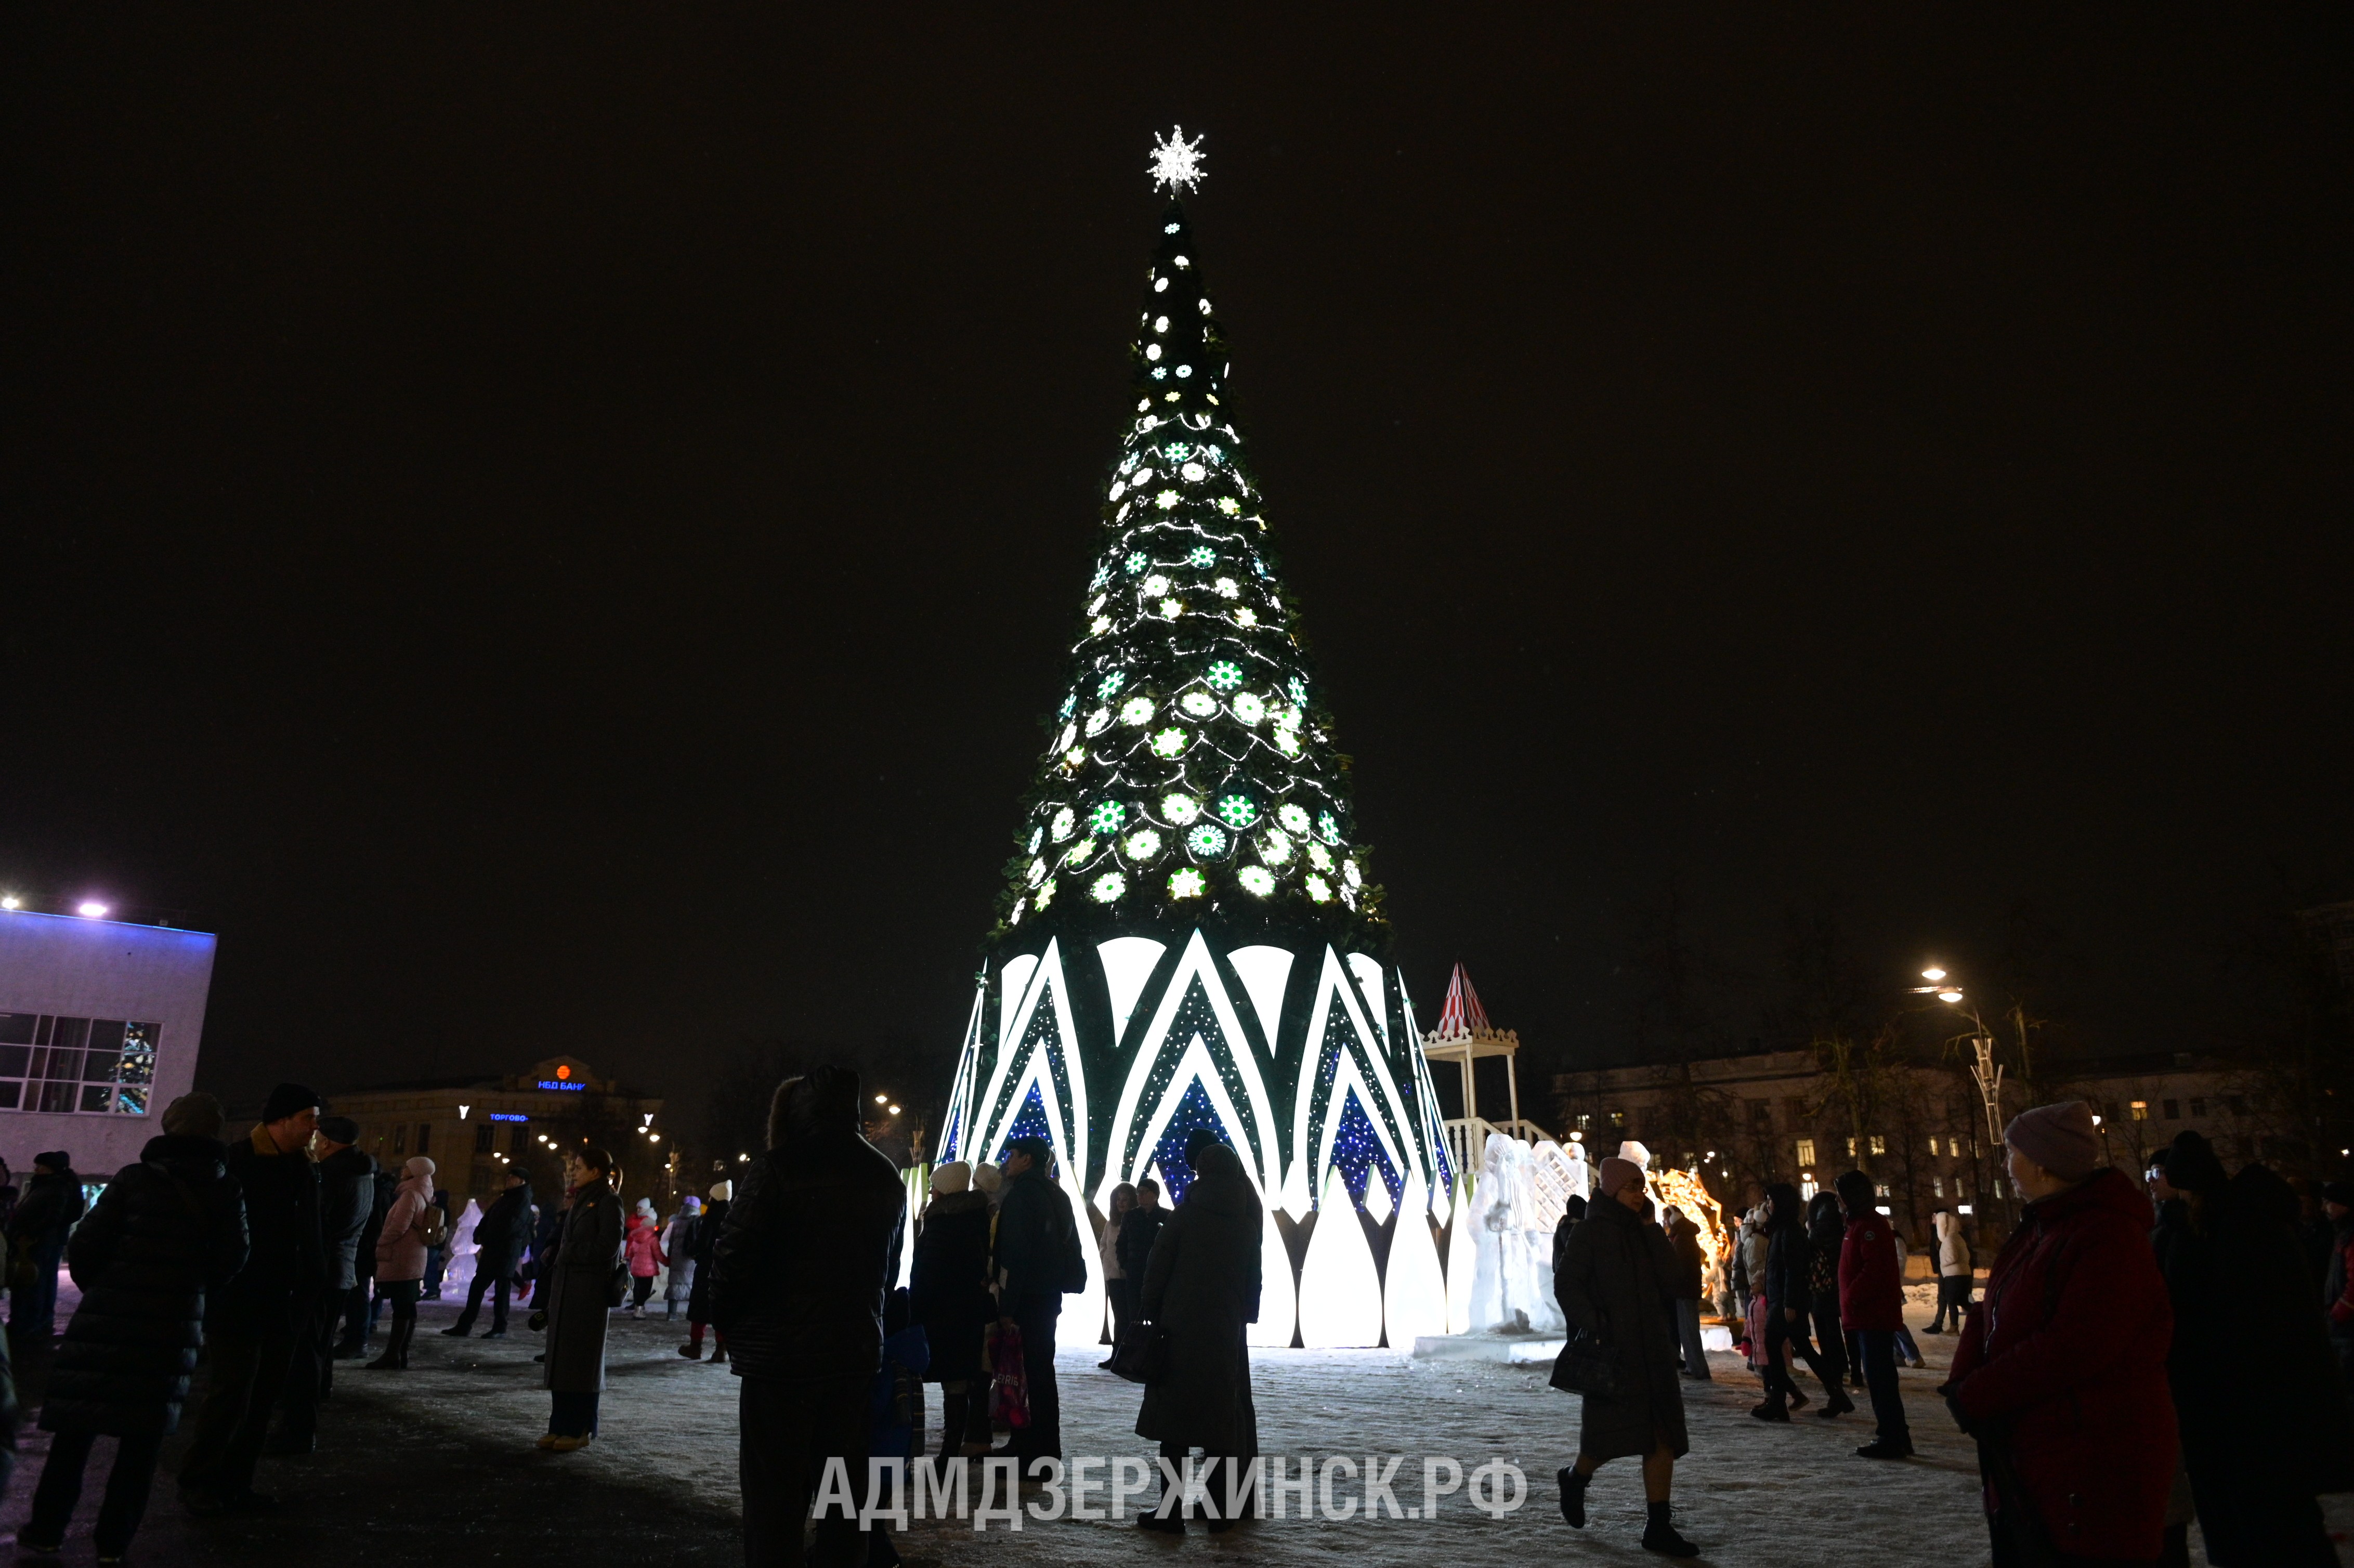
2140 1359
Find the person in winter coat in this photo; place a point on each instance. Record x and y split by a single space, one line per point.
46 1212
1750 1252
1038 1262
646 1258
1788 1290
501 1235
2255 1386
1120 1289
251 1323
1871 1305
1616 1283
2337 1286
1826 1233
1954 1272
2060 1374
1201 1287
949 1294
1692 1275
678 1244
362 1308
1572 1211
1140 1229
798 1279
698 1295
895 1414
401 1259
580 1294
164 1231
346 1194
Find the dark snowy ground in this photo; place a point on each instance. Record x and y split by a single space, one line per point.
436 1467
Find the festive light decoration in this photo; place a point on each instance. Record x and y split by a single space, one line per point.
1176 162
1339 1290
1200 982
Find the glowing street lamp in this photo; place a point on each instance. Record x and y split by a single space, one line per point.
90 909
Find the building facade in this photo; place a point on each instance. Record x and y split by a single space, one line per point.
475 1129
1919 1131
99 1023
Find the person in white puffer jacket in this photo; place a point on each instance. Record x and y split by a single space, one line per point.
1954 1263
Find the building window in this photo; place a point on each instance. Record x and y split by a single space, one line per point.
2141 1110
400 1141
1618 1120
2236 1104
1807 1188
103 1065
1879 1145
1584 1122
1850 1151
1806 1151
1937 1186
2197 1106
518 1140
2173 1110
424 1137
1761 1114
482 1136
1880 1189
1933 1143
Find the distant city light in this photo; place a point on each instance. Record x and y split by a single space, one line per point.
895 1110
656 1137
1932 974
90 909
1949 996
880 1100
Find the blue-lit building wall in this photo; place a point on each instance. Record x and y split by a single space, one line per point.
100 1025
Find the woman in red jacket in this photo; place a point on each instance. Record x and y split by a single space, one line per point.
2061 1372
1872 1305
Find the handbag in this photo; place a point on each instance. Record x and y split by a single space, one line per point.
1586 1365
1140 1354
1009 1386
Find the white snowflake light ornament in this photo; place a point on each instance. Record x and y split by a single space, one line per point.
1176 162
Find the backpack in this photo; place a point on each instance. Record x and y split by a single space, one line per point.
432 1226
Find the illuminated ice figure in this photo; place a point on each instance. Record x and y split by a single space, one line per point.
1188 936
1510 1284
458 1268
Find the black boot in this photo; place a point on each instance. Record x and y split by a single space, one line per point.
952 1421
1840 1404
1572 1496
1659 1536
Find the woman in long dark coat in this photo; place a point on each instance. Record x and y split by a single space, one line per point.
1616 1283
1202 1288
163 1232
2263 1428
948 1290
580 1282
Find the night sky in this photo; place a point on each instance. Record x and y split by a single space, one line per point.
554 528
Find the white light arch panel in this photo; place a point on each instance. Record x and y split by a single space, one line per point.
958 1129
1382 1103
1127 967
1339 1289
1256 1105
1265 972
1195 1066
1368 971
1032 1063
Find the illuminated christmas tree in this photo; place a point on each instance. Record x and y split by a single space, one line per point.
1189 936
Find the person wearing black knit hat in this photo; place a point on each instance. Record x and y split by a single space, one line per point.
37 1231
251 1324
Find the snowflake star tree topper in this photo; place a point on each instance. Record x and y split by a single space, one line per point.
1176 162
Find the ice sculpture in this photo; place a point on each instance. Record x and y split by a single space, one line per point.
458 1258
1508 1285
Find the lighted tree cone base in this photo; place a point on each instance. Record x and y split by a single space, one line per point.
1279 1294
1339 1289
1413 1289
1462 1262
